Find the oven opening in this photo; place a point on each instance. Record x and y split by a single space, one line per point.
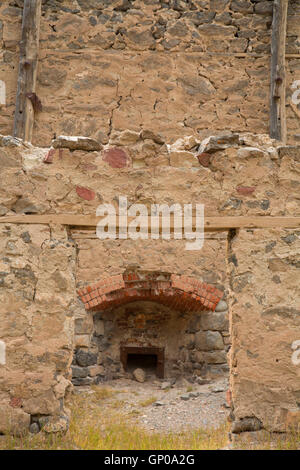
151 360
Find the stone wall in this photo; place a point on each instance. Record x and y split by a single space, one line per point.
178 66
37 295
265 321
195 346
155 309
232 174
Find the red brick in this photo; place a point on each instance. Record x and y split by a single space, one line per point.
116 157
85 193
181 292
245 190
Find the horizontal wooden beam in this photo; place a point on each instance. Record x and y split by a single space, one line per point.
210 223
255 55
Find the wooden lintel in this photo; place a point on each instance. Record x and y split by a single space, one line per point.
27 103
278 75
211 224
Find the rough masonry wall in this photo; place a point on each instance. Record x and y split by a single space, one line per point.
195 344
265 329
178 67
37 296
231 174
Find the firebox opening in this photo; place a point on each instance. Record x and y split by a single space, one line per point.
148 362
148 358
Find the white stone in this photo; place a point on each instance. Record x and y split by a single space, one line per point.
139 375
2 92
76 143
165 385
250 152
2 353
222 306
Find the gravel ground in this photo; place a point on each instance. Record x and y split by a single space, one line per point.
183 406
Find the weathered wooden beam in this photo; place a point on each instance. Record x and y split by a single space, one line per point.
210 223
278 77
27 102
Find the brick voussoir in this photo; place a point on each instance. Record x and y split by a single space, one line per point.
177 291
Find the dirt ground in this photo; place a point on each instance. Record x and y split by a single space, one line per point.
158 407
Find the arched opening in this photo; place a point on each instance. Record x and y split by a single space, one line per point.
157 322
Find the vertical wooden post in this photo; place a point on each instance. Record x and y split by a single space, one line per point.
26 101
278 79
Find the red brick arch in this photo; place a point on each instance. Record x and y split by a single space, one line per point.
182 293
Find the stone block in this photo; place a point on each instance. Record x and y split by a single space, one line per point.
250 152
183 159
98 327
215 357
13 420
246 424
79 372
214 321
82 381
95 370
76 143
82 341
84 326
86 358
222 306
209 340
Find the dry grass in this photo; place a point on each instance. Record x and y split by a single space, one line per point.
100 424
102 393
268 442
148 402
99 427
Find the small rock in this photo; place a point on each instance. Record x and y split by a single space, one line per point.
194 394
43 420
158 403
246 425
9 141
222 306
25 237
185 397
214 143
218 389
60 426
250 152
34 428
76 143
182 382
157 138
139 375
201 381
126 137
165 385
